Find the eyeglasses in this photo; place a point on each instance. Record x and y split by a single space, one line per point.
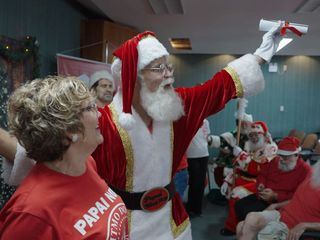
91 107
162 68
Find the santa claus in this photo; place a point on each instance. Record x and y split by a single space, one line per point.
149 126
259 150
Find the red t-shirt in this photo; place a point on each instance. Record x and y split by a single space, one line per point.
304 206
283 183
51 205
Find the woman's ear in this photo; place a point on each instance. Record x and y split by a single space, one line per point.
73 137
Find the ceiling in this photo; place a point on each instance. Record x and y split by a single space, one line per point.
216 26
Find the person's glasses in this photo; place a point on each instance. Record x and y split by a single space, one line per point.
91 107
162 68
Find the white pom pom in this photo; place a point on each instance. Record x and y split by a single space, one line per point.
126 121
215 141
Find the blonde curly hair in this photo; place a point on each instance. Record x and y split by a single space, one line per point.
43 111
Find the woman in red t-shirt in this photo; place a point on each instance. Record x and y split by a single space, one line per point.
56 120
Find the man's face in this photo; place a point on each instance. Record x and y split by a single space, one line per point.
104 90
254 137
159 73
245 127
157 95
288 163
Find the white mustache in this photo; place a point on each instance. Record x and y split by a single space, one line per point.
167 81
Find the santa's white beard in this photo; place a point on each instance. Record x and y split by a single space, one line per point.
315 178
163 104
256 146
286 167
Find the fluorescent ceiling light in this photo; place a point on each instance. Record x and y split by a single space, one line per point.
284 42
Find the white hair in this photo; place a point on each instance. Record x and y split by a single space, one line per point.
161 105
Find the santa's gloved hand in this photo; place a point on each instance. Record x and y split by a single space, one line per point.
236 150
224 188
270 43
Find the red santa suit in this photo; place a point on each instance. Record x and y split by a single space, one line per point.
137 160
249 165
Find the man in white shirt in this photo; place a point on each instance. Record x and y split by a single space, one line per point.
198 155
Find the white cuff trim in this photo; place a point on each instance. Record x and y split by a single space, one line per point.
250 74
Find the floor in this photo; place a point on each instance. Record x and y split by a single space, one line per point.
207 226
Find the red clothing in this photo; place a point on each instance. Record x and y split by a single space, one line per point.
183 163
51 205
283 183
246 177
303 207
125 167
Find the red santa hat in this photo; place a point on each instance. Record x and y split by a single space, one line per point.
259 127
289 146
134 55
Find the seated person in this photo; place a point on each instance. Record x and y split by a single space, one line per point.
277 180
300 214
56 120
259 150
225 142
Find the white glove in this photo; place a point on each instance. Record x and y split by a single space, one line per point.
239 192
224 188
236 151
270 43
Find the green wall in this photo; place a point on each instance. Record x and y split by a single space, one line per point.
55 23
297 90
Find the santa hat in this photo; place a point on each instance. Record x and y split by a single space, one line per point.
245 117
230 139
258 127
133 56
103 74
289 146
215 141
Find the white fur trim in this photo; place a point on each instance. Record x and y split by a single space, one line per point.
215 141
250 74
126 120
149 49
247 118
228 136
288 153
100 75
116 73
14 174
151 150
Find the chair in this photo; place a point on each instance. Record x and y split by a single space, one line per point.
307 146
315 157
298 134
310 141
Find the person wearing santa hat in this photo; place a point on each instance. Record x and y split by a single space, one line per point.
259 150
149 125
102 87
277 180
225 142
300 214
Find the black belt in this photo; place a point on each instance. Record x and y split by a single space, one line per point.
132 200
246 174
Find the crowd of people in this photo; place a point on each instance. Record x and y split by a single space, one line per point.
95 162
